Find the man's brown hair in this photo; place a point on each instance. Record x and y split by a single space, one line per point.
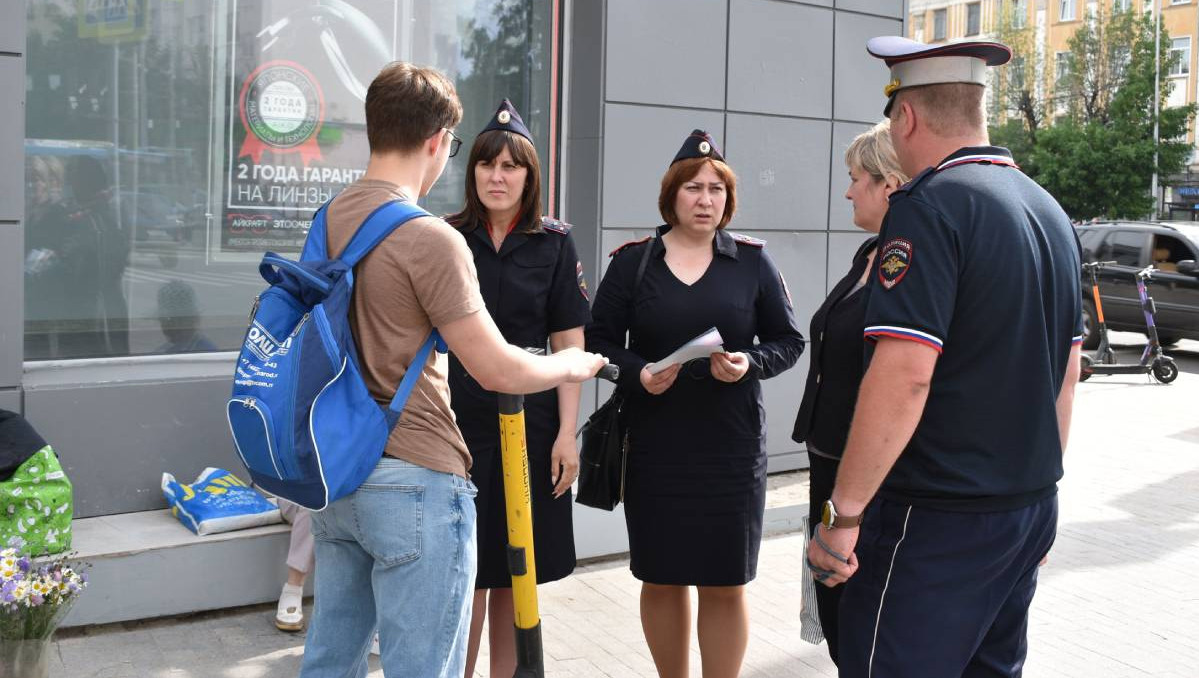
949 109
407 104
486 148
685 170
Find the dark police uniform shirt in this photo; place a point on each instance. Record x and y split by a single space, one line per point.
533 286
978 262
742 293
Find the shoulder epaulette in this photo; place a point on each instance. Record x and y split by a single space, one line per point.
630 244
916 181
747 240
552 224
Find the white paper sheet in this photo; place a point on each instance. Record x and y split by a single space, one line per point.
700 347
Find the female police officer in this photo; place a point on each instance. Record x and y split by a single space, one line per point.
696 473
835 370
532 282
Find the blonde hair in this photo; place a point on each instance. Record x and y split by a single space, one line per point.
872 152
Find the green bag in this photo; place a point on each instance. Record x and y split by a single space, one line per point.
36 505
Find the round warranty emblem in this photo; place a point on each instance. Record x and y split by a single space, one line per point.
282 104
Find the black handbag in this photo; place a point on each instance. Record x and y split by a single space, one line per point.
605 445
603 457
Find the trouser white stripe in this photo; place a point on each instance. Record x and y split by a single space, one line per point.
878 618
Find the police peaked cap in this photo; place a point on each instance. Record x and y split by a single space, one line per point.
914 63
508 120
699 144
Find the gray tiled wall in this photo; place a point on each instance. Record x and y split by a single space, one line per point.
12 136
658 55
12 187
782 171
12 299
799 86
12 29
779 58
860 77
888 8
10 399
639 142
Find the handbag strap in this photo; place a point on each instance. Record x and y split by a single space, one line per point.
636 283
644 262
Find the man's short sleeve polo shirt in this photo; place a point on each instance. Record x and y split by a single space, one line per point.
981 264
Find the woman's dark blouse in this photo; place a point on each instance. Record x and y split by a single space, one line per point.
741 293
533 286
835 370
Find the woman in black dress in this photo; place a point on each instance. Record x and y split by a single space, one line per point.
532 281
695 483
835 370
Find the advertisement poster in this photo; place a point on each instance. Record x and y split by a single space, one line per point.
298 74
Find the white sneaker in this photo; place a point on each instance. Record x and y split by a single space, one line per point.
375 645
290 614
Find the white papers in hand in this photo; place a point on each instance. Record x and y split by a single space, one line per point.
700 347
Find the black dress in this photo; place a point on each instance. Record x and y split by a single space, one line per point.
695 485
834 375
532 287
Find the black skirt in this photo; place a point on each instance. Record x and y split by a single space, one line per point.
694 512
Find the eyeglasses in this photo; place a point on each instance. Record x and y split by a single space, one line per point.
455 142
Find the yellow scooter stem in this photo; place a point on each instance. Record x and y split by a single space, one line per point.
522 564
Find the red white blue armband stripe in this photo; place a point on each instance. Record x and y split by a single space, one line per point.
896 332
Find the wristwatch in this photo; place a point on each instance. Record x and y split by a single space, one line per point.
833 520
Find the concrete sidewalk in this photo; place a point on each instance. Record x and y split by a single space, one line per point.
1117 598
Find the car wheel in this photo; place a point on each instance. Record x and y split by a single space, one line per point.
1086 371
1090 326
1165 370
1168 339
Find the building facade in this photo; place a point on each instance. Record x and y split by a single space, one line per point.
1052 24
167 145
1045 57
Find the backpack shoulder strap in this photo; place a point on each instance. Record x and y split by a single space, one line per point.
385 219
415 369
316 245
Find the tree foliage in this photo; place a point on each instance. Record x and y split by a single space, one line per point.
1097 158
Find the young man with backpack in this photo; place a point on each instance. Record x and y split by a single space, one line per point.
400 550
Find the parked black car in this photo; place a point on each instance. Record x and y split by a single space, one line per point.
1172 248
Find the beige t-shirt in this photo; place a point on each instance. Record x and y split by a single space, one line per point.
422 276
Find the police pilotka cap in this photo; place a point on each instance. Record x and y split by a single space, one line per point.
699 144
508 120
914 63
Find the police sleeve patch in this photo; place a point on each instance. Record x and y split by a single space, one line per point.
894 262
582 280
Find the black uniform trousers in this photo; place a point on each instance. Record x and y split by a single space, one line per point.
942 594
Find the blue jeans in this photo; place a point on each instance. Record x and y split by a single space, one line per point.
397 554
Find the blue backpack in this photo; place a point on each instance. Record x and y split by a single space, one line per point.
302 419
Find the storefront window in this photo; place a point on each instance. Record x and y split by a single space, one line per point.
169 144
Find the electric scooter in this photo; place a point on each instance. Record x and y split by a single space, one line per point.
530 659
1104 355
1153 359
